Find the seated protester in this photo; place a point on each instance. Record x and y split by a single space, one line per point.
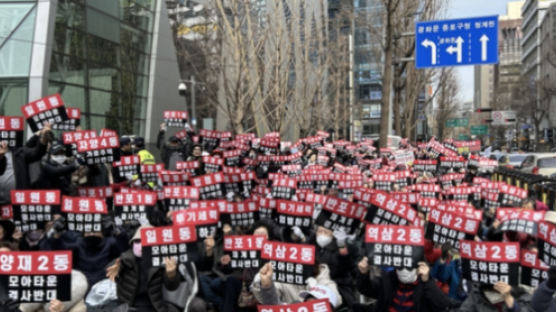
14 163
447 272
170 152
543 298
57 169
402 289
79 288
526 241
92 251
139 286
196 153
497 297
321 286
220 285
76 304
124 150
332 250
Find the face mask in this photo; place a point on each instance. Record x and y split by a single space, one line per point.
137 249
58 159
406 276
323 240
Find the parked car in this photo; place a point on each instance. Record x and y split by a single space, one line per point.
512 160
540 163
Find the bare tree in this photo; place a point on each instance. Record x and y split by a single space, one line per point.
446 100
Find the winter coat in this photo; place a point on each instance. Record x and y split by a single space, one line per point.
56 177
543 299
22 157
128 281
426 296
91 260
477 302
282 293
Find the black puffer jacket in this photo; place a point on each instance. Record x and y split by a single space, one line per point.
128 281
426 297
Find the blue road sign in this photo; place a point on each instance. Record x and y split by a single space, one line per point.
468 41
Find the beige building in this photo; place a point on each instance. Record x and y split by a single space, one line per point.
548 65
494 83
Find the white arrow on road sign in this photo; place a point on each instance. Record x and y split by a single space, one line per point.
451 49
484 41
429 44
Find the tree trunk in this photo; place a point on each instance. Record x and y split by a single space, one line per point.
386 80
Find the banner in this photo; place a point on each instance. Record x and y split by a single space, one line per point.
244 250
447 227
74 120
48 109
33 208
321 305
36 276
174 118
394 245
294 213
291 263
490 262
204 220
11 131
177 242
84 214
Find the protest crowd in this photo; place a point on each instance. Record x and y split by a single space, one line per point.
92 222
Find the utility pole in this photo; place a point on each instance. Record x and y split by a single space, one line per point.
193 112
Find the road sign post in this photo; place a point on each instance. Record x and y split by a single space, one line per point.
458 122
479 130
456 42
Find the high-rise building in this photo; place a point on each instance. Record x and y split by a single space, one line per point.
548 64
367 65
114 60
495 84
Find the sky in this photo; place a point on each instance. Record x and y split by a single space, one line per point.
473 8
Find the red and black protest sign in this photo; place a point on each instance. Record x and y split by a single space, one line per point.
11 131
127 167
96 191
283 187
426 189
243 213
135 205
533 270
338 214
174 178
175 242
291 170
422 165
150 173
212 164
72 137
546 242
244 250
188 166
394 245
173 118
386 210
33 208
463 193
321 305
451 179
448 227
294 213
36 276
205 220
383 180
267 207
406 197
511 196
291 263
232 158
425 204
84 214
519 220
210 139
453 162
98 150
74 120
219 204
48 109
179 197
241 182
490 262
210 185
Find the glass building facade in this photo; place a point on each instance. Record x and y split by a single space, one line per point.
97 53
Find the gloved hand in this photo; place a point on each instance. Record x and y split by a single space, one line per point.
341 237
551 282
297 232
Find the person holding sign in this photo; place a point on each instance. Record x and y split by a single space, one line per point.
14 163
173 151
404 289
543 299
57 169
140 286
